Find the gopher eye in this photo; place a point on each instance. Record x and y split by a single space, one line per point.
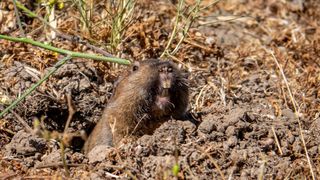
170 69
134 68
160 70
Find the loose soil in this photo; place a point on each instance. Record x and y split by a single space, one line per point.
248 124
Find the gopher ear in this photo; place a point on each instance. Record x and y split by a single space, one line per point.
135 66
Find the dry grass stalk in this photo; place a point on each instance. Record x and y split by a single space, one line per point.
71 111
277 141
296 111
23 122
205 152
262 167
199 105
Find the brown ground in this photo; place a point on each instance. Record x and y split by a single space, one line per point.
248 130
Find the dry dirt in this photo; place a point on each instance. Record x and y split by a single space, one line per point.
249 126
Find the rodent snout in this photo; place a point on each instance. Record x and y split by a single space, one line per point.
166 83
166 80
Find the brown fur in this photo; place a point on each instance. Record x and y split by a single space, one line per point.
136 106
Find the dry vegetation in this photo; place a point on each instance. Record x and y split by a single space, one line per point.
254 81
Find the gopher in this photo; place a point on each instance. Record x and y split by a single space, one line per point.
148 94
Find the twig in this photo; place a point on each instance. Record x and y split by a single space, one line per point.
175 28
180 62
262 167
32 88
277 141
71 112
84 16
112 175
211 4
103 52
296 112
58 164
19 118
8 131
67 137
135 128
212 160
63 158
199 95
230 176
222 91
285 81
8 176
66 52
191 18
18 18
198 45
190 172
42 177
124 168
202 23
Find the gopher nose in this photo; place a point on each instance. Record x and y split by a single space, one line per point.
166 83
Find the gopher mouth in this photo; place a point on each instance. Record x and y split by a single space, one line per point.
163 102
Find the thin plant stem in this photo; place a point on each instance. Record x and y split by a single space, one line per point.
26 10
69 38
175 28
32 88
276 139
211 4
67 52
63 158
262 168
85 17
194 14
121 17
296 111
18 18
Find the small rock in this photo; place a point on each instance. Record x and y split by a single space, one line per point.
231 130
95 176
296 147
232 141
267 144
188 126
77 157
221 127
98 153
313 151
207 127
235 115
210 40
142 151
288 113
53 157
84 84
